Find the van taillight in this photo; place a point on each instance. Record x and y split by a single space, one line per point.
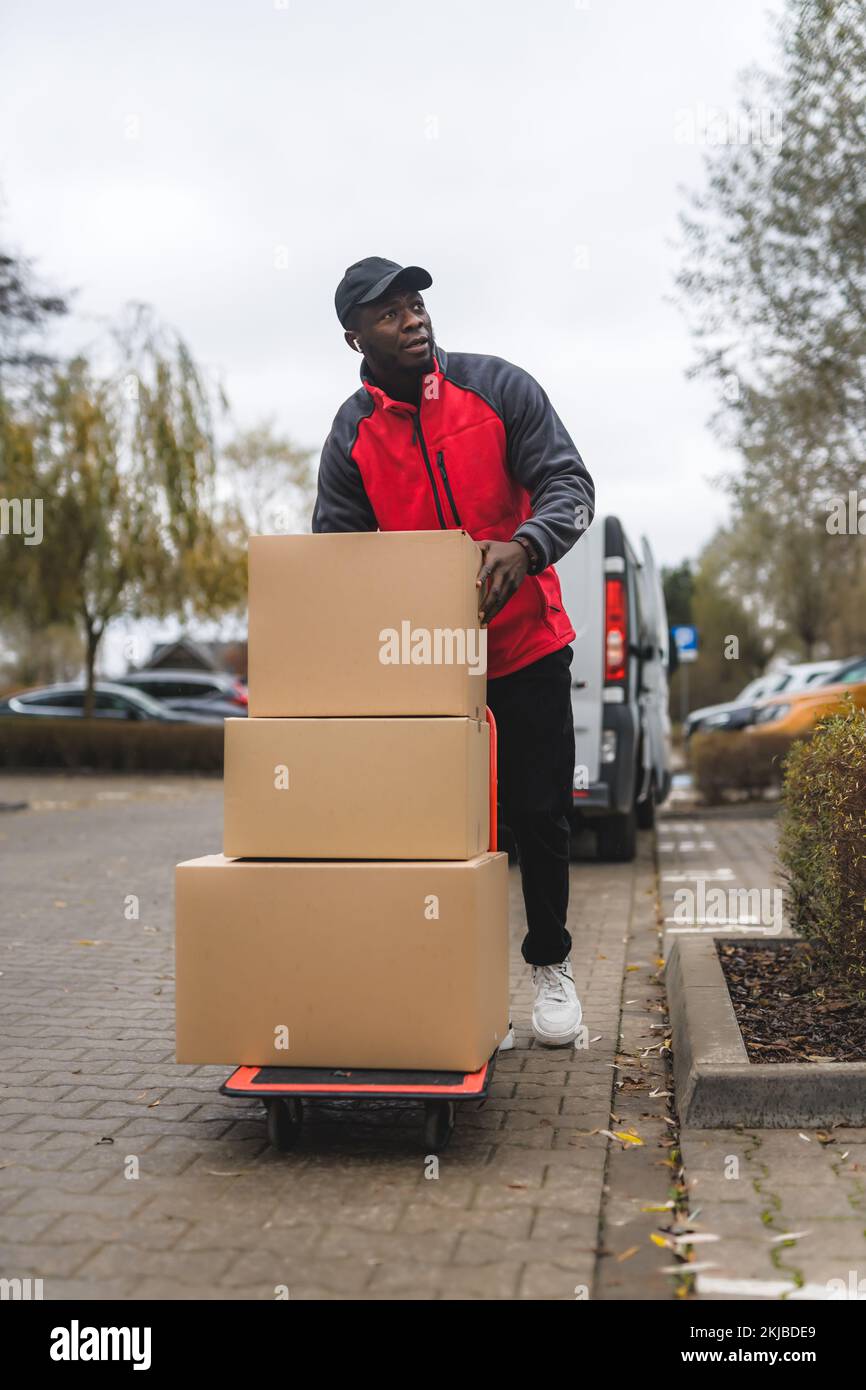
615 633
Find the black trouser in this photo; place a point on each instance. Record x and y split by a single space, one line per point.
534 723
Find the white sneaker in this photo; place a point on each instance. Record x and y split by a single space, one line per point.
508 1041
556 1014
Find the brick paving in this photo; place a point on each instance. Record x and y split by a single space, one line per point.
531 1201
789 1206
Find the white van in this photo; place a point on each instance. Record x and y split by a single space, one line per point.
619 694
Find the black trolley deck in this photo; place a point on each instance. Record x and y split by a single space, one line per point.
284 1090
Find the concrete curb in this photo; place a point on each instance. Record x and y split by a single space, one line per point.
716 1085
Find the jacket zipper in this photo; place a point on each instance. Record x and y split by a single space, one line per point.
440 461
416 424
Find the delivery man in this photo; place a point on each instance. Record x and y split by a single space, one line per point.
434 439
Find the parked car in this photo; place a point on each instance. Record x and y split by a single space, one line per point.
197 686
613 595
736 714
111 701
208 709
797 712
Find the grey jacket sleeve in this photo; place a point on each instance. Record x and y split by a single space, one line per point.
544 459
341 503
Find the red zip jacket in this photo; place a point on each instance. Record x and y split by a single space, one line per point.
485 451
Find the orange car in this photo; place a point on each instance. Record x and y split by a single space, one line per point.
798 712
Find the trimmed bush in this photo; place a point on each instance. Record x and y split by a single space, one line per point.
823 842
749 764
109 745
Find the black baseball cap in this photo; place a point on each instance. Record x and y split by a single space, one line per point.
367 279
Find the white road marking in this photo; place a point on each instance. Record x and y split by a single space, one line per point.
744 921
698 875
763 1288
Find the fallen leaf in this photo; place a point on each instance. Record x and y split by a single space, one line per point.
661 1241
85 942
627 1254
658 1206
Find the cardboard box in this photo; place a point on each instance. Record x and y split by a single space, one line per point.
371 623
356 788
352 964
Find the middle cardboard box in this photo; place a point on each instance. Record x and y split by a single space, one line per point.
369 788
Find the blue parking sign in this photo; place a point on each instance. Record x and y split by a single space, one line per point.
686 640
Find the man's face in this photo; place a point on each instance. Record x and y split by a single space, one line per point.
394 332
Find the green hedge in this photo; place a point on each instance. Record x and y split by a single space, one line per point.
109 745
735 762
823 842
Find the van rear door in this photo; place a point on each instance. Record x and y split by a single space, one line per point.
655 674
581 578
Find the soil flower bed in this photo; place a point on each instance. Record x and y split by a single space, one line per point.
788 1007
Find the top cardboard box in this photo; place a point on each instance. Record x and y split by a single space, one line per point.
365 623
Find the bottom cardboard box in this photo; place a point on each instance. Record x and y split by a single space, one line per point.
352 963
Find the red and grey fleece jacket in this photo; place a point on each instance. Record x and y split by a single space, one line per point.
484 450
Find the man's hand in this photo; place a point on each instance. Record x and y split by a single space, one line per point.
503 566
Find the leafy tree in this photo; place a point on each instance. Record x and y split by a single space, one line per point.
124 466
774 287
25 312
271 479
732 647
678 583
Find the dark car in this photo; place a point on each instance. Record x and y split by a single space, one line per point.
110 701
197 687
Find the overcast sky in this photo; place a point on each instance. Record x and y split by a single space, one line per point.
225 161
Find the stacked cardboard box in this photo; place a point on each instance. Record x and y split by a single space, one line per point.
356 917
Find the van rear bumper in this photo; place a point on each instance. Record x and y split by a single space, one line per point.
595 798
614 791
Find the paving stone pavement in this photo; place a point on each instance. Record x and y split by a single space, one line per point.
789 1206
125 1175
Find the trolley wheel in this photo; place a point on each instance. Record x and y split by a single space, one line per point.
438 1124
285 1118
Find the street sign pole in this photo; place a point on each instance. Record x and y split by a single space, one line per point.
686 640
